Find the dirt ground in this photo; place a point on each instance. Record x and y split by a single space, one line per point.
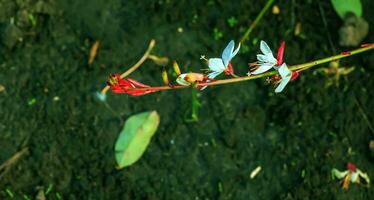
48 107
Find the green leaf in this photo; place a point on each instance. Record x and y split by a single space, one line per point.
135 137
342 7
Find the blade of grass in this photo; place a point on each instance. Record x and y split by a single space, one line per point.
255 22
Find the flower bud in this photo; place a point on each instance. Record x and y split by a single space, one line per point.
176 68
165 78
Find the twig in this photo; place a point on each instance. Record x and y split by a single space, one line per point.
254 23
324 21
136 65
364 115
4 168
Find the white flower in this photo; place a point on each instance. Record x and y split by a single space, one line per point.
219 65
266 60
286 75
181 80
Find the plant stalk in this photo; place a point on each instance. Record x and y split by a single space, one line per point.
300 67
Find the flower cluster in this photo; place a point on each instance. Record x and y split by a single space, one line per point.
264 63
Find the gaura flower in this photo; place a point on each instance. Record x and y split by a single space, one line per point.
219 65
281 80
266 60
128 86
351 175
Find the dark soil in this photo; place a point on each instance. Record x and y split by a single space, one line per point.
297 137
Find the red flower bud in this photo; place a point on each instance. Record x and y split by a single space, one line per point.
351 167
128 86
280 54
229 70
295 75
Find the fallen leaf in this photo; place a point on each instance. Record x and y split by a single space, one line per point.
135 137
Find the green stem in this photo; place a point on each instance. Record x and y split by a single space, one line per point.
254 23
300 67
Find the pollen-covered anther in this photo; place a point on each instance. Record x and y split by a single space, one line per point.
274 79
112 80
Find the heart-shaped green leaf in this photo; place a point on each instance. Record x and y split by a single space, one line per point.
342 7
135 137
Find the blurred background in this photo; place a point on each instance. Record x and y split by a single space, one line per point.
57 139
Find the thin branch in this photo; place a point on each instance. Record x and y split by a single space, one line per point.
7 164
151 45
300 67
364 115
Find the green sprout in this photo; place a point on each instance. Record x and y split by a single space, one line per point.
195 106
49 189
33 20
58 196
31 101
217 34
9 192
232 21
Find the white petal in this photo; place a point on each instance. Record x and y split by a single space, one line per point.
212 75
227 52
203 88
286 75
266 58
180 80
281 86
354 177
284 72
235 52
263 68
216 65
265 49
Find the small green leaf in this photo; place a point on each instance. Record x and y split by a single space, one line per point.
342 7
135 137
232 21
